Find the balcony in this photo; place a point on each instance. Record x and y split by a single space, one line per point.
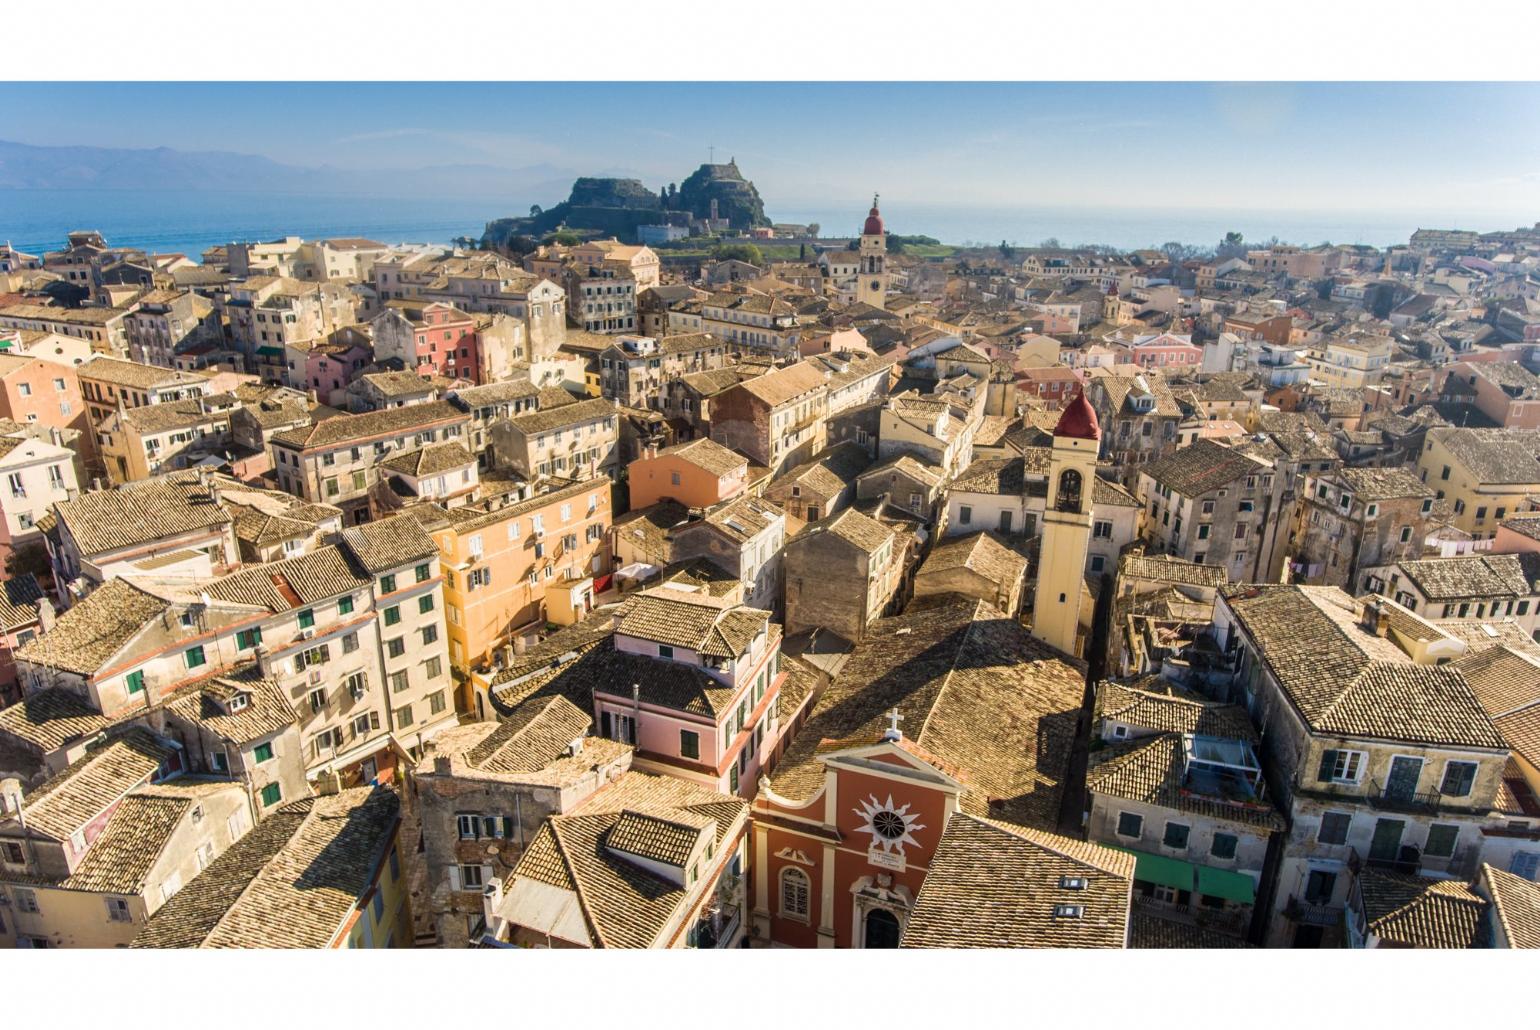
1394 799
1232 921
720 918
1311 913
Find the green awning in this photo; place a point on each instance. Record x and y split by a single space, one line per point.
1222 883
270 352
1158 869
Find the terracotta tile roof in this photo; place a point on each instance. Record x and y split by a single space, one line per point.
1420 913
708 455
1516 902
50 718
1346 681
742 518
624 905
87 635
137 375
908 465
985 553
1163 707
266 711
1481 576
120 858
784 384
1482 634
1492 456
1148 931
1202 466
18 601
1153 770
995 885
536 735
1376 484
84 790
388 543
137 513
828 473
340 429
860 531
1504 680
669 840
683 618
431 460
325 572
289 883
973 688
547 419
1170 569
649 527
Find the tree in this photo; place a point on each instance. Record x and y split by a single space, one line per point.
564 237
1232 246
1051 243
535 210
812 229
739 252
1006 250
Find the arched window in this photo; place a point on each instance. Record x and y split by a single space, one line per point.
794 892
1069 491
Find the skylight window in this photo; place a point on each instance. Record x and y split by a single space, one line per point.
1068 911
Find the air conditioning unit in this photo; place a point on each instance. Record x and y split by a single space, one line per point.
307 634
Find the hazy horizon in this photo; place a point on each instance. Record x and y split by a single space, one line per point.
1379 152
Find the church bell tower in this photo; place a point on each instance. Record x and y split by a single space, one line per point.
1066 526
872 282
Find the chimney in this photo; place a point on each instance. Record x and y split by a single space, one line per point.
520 645
1374 618
10 796
442 765
650 448
328 783
264 661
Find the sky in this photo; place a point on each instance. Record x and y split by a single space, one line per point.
1463 148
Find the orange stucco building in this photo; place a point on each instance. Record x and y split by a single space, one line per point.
696 474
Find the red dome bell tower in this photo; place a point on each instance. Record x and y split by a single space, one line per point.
872 282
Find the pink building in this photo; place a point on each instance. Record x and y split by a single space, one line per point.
431 339
332 365
1504 391
1164 350
696 474
20 597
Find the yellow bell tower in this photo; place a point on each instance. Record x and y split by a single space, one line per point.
872 282
1066 527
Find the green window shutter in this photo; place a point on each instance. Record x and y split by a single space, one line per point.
263 752
271 795
422 573
1441 838
136 681
1328 766
195 657
307 618
345 606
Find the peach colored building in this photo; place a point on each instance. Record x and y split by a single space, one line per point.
38 392
696 474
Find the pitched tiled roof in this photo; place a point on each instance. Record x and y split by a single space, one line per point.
18 601
290 582
1481 576
547 419
665 839
1163 707
995 885
1153 770
910 466
850 525
88 634
289 883
684 618
1200 467
87 788
537 734
622 904
136 513
1492 456
267 709
1376 484
972 688
1504 680
709 455
784 384
1347 681
388 543
120 858
135 374
50 718
1415 912
1170 569
985 553
1149 931
829 472
386 422
431 460
1516 902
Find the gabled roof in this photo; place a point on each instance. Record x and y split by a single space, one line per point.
136 513
1162 707
683 618
1346 681
1202 466
97 627
84 790
1416 912
1516 903
707 455
1153 770
430 460
291 882
388 543
339 429
120 858
995 885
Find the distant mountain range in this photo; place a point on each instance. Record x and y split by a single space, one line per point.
26 167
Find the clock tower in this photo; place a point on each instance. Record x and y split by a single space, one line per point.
872 281
1066 526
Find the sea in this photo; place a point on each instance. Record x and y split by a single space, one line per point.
189 222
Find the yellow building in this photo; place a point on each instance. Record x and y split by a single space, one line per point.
1066 527
505 562
1485 474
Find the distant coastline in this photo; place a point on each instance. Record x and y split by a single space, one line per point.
192 221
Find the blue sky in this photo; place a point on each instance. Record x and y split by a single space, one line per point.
1331 147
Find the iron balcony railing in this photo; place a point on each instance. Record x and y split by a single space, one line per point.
1391 799
1311 913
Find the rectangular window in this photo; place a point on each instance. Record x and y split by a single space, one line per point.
350 643
1334 828
423 571
664 651
1224 845
271 795
1341 766
307 618
135 681
393 615
1441 840
248 638
404 716
398 681
429 635
469 824
263 752
470 877
1459 777
345 605
395 647
964 515
434 667
425 604
194 657
1130 824
388 584
436 702
1176 836
689 744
